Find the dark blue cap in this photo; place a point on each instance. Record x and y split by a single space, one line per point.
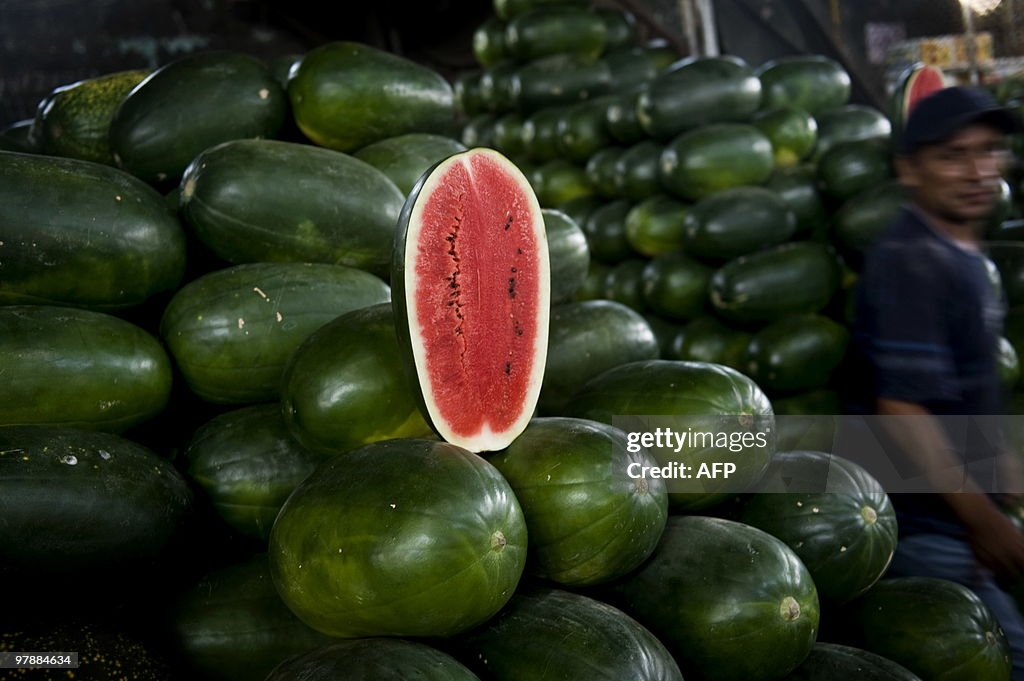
944 113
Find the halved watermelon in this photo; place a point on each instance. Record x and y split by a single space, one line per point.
913 85
471 292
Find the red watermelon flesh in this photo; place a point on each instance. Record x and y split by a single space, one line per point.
915 84
476 295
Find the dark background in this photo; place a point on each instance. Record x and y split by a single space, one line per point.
47 43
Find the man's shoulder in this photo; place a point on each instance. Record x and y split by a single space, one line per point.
909 245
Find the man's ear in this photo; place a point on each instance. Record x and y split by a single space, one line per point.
906 171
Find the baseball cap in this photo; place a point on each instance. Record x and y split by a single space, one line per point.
942 114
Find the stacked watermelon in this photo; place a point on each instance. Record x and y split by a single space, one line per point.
273 344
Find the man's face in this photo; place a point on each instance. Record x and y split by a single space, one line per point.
958 179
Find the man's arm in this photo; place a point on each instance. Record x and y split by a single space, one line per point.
995 541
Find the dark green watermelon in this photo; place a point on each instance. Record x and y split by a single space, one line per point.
707 339
735 222
798 352
372 659
676 286
831 662
812 82
656 225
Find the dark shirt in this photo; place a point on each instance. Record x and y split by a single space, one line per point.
928 319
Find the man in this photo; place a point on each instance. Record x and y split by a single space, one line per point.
928 320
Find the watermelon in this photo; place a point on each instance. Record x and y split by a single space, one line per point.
551 635
937 629
799 352
403 159
540 134
716 157
589 519
807 421
676 286
508 134
811 82
696 92
364 547
621 119
798 189
606 232
232 331
684 396
568 254
76 122
849 168
1009 364
656 226
558 79
192 104
635 174
1008 257
730 601
851 123
580 208
248 463
865 216
707 339
635 65
471 294
914 84
478 131
233 626
833 514
489 45
559 181
793 133
831 662
625 284
665 332
496 92
581 130
345 385
556 30
620 28
735 222
372 659
466 90
593 285
601 170
395 96
587 338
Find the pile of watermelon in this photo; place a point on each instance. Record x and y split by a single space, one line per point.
304 381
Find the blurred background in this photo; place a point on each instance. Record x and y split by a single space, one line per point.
47 43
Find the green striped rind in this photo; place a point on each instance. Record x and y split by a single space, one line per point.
935 628
713 585
793 278
800 352
735 222
916 82
568 254
556 30
403 159
364 548
232 331
81 234
716 157
831 662
559 181
811 82
706 339
625 284
601 171
698 92
656 226
540 136
508 134
190 105
232 626
839 521
606 232
636 171
582 132
346 385
676 286
798 189
686 394
76 123
466 91
621 120
620 28
79 369
593 285
586 339
247 464
478 131
632 66
496 87
267 201
373 659
557 80
587 538
849 168
395 96
549 635
489 45
793 133
77 502
851 123
861 219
